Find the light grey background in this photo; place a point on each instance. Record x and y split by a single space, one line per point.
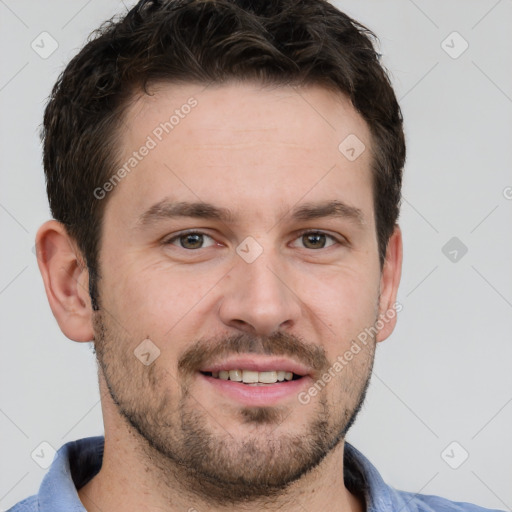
443 376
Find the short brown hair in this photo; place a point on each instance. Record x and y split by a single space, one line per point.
281 42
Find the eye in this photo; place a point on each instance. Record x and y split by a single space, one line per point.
316 240
191 240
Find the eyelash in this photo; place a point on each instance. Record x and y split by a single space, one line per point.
176 237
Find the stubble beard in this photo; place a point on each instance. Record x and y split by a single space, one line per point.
190 452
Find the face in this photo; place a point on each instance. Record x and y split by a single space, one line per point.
242 244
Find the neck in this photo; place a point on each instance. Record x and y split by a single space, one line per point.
129 483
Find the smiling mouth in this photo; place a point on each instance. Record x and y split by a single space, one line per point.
254 378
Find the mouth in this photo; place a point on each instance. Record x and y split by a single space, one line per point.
254 380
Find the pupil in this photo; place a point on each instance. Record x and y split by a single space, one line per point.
192 241
314 240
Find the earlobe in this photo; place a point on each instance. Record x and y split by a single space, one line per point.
389 282
66 281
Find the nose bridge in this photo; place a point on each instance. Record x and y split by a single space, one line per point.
258 297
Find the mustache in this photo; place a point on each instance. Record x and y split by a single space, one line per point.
279 344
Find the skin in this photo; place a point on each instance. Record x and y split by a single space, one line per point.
261 153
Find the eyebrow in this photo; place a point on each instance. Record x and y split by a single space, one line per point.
167 209
333 208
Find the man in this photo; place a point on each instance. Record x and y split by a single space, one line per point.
225 182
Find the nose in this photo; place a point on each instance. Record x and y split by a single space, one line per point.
259 298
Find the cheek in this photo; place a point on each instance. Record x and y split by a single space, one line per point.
158 300
344 301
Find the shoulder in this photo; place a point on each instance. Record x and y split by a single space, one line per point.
74 464
27 505
361 477
429 503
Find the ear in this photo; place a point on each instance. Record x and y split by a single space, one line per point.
66 280
389 281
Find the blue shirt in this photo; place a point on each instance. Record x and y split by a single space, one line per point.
78 461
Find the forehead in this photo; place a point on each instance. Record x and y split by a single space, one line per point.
240 145
220 111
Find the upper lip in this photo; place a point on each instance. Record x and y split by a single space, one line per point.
258 364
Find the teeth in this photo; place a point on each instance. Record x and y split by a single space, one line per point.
235 375
268 377
253 377
249 376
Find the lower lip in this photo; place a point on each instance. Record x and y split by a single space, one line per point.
264 395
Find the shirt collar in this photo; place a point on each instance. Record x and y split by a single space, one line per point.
362 479
73 466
